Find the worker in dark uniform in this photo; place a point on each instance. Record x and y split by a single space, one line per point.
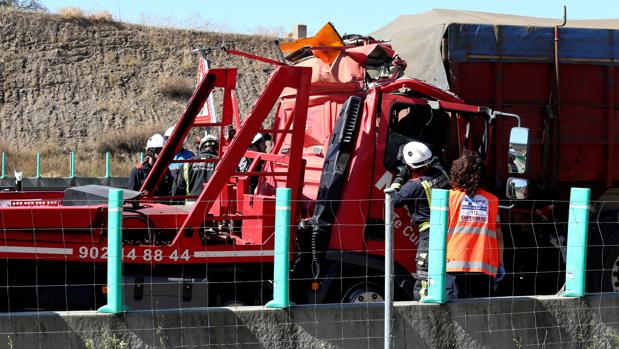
140 171
414 183
182 154
258 144
191 178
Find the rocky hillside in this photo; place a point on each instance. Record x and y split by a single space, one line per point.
71 81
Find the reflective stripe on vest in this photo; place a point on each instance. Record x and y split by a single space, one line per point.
186 177
473 230
428 189
471 266
424 226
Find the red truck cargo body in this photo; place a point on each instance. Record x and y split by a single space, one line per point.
517 74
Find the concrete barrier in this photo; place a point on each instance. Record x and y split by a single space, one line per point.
548 321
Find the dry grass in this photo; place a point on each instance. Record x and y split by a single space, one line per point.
101 16
71 13
76 13
115 106
124 148
55 162
129 60
126 142
175 87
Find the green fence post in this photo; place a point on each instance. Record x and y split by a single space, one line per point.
107 164
114 254
576 259
281 263
72 164
38 175
437 253
3 172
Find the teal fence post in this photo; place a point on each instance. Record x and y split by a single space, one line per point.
107 164
114 253
281 263
38 175
576 259
437 253
72 164
3 171
141 156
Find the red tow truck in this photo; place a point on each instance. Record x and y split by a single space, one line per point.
342 110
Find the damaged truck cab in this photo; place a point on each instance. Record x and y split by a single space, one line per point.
343 110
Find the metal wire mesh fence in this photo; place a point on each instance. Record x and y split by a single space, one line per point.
65 165
54 255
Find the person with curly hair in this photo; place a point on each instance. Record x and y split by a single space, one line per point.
475 240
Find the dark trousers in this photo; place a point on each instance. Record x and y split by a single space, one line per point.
421 260
471 285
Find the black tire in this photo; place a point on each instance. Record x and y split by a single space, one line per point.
603 263
362 291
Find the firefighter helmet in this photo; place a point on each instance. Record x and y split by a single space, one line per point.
416 154
168 132
156 141
208 138
257 138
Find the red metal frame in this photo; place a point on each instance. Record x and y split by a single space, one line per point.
283 77
77 233
224 78
302 126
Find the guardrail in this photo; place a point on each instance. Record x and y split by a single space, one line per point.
71 170
147 242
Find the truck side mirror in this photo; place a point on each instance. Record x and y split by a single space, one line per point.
517 188
518 150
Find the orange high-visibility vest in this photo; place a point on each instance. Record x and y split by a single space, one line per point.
472 242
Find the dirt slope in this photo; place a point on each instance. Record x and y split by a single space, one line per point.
71 81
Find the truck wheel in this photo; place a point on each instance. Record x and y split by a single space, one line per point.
363 292
611 265
604 270
614 275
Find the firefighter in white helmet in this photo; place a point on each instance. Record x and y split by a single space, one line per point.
193 176
420 173
141 170
182 154
258 144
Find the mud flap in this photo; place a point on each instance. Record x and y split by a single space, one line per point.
149 292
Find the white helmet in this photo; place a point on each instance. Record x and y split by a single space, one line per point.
208 138
258 137
416 154
156 141
168 132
